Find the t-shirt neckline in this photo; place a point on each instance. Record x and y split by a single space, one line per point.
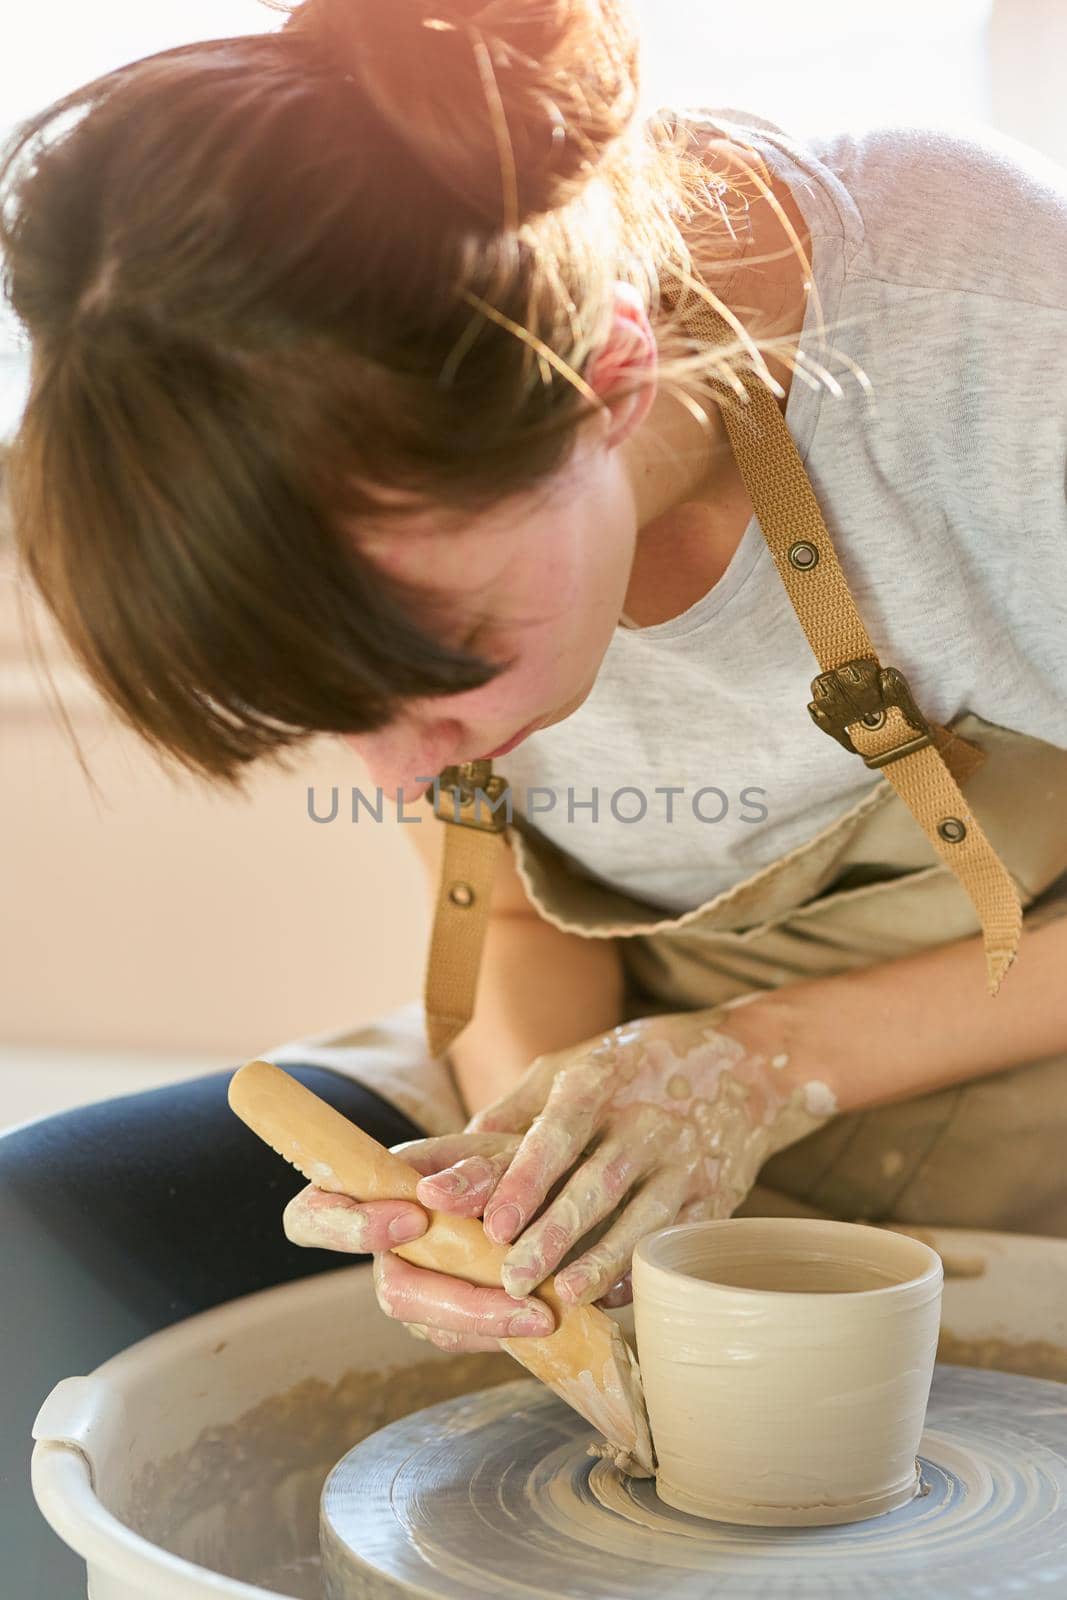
836 230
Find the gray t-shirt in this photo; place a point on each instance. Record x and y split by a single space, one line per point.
941 263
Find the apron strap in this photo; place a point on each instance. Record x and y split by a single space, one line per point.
866 707
467 799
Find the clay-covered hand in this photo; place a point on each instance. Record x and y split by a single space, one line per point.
664 1119
447 1311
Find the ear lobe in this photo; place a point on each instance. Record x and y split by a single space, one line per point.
627 414
630 351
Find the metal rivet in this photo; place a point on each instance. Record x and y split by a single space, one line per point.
804 555
461 894
874 719
952 830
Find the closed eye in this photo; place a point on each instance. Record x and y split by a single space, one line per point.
478 641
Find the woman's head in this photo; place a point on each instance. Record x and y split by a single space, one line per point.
535 583
315 319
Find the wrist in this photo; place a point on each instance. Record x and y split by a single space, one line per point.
774 1026
779 1054
777 1027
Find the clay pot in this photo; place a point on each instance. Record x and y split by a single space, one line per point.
787 1365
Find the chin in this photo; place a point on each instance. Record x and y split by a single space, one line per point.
571 707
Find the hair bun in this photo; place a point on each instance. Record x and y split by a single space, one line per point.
509 106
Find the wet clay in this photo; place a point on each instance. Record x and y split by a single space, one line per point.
786 1364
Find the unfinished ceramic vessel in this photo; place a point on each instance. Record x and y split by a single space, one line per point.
787 1365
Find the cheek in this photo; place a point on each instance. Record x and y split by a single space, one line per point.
585 590
521 693
548 656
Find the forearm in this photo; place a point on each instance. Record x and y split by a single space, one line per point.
686 1107
539 990
908 1027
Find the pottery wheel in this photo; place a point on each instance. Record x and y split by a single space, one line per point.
494 1494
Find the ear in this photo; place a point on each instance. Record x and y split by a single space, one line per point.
629 351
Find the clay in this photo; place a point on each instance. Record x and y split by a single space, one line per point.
786 1364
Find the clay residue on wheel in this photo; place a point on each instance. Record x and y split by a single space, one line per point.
243 1500
492 1497
1032 1358
957 1263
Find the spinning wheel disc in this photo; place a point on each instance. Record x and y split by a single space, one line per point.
494 1495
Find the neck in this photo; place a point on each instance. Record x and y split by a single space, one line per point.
692 504
673 459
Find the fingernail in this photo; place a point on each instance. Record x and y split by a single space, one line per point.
449 1182
518 1281
573 1284
352 1228
403 1229
503 1223
530 1322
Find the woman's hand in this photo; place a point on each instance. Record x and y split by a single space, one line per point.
661 1120
447 1311
664 1119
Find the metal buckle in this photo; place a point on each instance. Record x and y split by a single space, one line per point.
476 793
862 691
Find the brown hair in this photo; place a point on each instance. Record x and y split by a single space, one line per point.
266 278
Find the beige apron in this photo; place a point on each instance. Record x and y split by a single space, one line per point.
989 1153
910 866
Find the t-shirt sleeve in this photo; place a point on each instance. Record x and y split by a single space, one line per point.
975 210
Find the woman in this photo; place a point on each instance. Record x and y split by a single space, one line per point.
368 399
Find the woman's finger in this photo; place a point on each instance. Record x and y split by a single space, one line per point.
620 1294
451 1341
466 1185
415 1294
707 1208
589 1195
434 1155
552 1144
324 1221
655 1205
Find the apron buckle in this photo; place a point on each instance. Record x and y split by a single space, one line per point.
476 796
863 691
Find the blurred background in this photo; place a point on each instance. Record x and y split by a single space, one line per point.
151 928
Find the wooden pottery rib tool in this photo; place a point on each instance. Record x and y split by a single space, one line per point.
586 1360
